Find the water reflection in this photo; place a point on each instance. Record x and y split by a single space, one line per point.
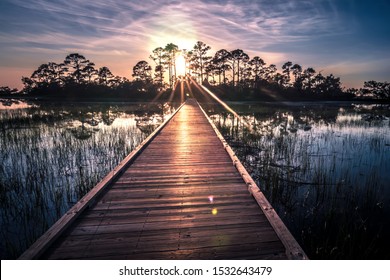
10 104
323 168
52 155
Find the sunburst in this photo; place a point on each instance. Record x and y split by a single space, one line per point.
180 65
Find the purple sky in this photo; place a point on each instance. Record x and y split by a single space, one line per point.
348 38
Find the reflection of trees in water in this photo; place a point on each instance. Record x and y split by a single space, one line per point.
148 123
51 156
109 116
269 121
88 126
333 205
81 132
147 117
153 116
83 121
8 102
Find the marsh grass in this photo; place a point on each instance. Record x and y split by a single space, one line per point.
326 172
52 156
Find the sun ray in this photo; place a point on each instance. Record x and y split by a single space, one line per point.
173 92
216 98
182 97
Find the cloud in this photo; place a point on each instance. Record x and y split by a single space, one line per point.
262 23
121 33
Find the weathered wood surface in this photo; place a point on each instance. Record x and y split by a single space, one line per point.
293 249
46 240
181 198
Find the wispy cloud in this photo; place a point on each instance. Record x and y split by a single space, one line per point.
118 33
262 23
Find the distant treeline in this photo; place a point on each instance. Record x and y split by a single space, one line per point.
78 78
232 74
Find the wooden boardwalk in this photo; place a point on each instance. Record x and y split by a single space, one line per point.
181 198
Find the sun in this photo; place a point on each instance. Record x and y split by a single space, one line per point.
177 28
180 65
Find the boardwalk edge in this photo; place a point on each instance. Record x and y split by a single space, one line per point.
293 249
42 243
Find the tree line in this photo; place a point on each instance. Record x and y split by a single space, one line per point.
234 71
78 77
231 73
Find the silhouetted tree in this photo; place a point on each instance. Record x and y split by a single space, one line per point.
352 92
257 67
286 70
105 77
116 82
210 71
247 78
318 82
170 59
28 84
329 85
333 85
48 73
238 56
280 79
199 58
220 60
78 64
158 57
42 76
269 73
7 90
308 78
377 89
214 67
90 72
297 72
142 71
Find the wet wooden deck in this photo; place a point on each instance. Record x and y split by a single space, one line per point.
181 198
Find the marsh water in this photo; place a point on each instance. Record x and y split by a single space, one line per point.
53 154
324 167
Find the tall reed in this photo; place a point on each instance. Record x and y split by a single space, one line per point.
53 155
324 170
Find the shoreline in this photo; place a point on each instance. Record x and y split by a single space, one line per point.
120 99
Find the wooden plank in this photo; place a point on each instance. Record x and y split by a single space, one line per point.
39 246
293 249
270 250
159 207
